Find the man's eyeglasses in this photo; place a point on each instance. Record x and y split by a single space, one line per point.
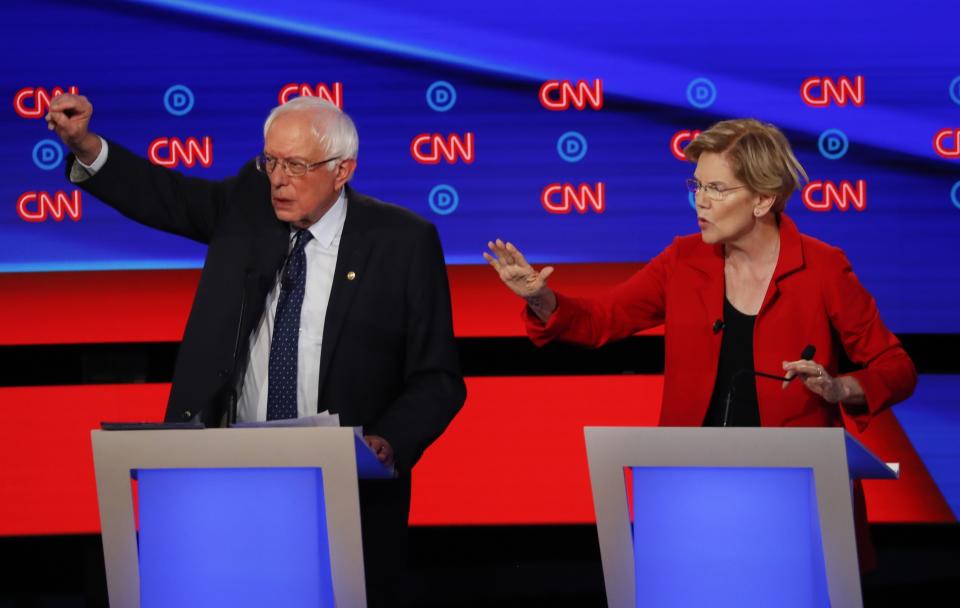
712 192
294 168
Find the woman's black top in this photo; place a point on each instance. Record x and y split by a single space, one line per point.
736 365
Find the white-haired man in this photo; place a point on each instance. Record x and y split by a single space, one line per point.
312 298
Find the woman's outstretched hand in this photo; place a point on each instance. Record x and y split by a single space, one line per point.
517 274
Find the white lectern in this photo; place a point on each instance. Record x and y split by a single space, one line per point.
728 516
238 517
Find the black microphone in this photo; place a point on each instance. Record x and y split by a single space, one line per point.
285 281
807 353
232 396
718 326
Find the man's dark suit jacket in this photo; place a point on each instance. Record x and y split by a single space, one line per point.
389 362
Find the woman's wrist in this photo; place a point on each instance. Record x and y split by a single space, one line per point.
542 303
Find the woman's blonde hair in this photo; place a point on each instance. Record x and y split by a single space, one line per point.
759 154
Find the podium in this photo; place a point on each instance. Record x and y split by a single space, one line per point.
232 517
728 516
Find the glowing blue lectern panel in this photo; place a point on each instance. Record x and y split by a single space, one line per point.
727 537
233 537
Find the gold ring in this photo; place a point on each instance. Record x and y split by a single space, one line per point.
820 372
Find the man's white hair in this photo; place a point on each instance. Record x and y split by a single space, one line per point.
332 126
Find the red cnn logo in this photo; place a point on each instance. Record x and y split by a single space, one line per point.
822 195
559 95
820 92
564 198
942 138
170 152
30 102
291 90
428 148
680 138
37 206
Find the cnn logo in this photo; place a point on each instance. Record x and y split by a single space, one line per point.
33 102
38 206
679 141
559 95
819 92
820 195
430 148
946 143
171 151
564 198
332 93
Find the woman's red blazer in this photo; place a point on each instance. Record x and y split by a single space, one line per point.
813 298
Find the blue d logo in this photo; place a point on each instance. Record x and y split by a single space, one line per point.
178 100
47 154
572 146
443 199
833 144
701 93
441 95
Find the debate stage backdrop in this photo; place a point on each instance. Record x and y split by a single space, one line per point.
557 125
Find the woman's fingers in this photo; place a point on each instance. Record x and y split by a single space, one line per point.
516 255
513 268
506 253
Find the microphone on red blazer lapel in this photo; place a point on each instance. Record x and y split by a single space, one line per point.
807 353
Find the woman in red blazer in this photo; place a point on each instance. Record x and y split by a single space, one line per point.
750 292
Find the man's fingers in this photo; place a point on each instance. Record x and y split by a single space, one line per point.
59 123
546 272
381 447
61 102
55 117
66 102
67 129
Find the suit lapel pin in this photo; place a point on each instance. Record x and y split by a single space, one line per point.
351 275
